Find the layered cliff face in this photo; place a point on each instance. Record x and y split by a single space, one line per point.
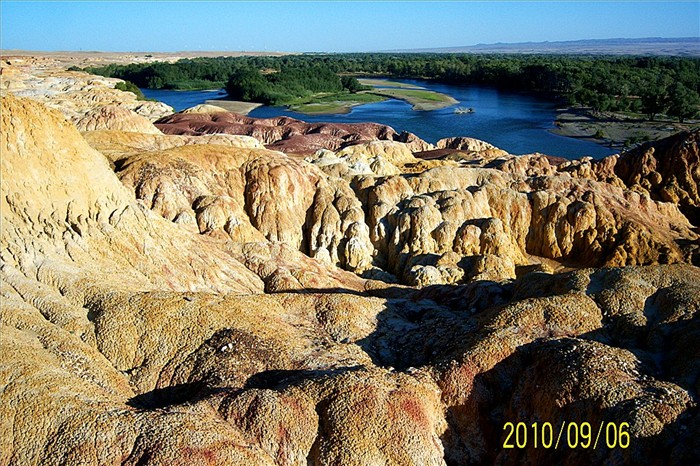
181 299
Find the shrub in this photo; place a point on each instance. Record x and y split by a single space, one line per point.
352 85
283 87
128 86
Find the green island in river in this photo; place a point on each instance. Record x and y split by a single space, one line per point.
418 97
616 101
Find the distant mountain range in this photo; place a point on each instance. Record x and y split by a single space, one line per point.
681 46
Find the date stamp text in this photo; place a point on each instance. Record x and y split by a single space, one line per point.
568 435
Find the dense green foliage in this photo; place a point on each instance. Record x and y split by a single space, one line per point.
651 85
200 73
352 84
130 87
287 85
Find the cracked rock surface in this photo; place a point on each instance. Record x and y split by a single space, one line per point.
184 299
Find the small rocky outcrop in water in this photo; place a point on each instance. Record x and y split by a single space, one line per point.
468 144
204 108
180 299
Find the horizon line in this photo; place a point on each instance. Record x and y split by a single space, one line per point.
408 50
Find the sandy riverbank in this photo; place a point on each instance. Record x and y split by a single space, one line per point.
386 83
418 98
235 106
615 129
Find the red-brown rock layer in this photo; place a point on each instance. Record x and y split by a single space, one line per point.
286 134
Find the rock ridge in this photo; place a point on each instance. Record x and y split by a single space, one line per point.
203 299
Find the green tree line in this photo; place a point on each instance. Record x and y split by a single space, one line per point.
287 85
649 85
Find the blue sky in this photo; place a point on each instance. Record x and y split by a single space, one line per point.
329 26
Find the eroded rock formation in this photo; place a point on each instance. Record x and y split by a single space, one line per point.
181 299
667 170
73 93
375 206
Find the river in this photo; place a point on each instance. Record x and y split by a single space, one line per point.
515 122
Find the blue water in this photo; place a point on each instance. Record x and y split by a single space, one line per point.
517 123
180 100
